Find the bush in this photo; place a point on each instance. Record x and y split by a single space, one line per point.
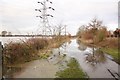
110 43
87 35
101 35
22 52
38 43
113 42
27 50
16 52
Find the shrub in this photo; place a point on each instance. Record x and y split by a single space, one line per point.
21 52
38 43
27 50
87 35
16 52
101 34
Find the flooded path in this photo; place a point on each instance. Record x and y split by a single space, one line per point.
98 69
99 66
38 69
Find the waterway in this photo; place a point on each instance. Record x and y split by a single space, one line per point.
97 65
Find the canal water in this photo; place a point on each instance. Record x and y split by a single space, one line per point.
97 65
95 68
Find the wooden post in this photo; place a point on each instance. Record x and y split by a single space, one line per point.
1 49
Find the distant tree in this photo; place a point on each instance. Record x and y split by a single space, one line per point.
81 30
90 31
117 32
94 29
109 33
95 24
3 33
9 33
58 30
69 35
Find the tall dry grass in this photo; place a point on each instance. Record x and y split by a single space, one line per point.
23 51
17 52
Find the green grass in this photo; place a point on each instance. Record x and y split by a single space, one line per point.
45 55
113 52
73 70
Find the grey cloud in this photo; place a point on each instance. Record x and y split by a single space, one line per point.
20 14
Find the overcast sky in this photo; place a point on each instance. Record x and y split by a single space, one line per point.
19 16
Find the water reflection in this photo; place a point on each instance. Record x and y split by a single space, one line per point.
83 54
59 57
63 48
96 57
97 62
59 54
66 44
81 46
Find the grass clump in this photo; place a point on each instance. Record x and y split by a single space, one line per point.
73 70
113 52
45 54
111 47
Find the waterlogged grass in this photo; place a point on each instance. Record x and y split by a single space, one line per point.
73 70
44 54
113 52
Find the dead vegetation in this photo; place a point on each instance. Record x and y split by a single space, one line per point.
33 48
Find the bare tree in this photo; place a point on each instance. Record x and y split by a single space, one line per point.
81 30
95 24
59 30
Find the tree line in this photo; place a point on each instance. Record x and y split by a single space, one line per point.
96 30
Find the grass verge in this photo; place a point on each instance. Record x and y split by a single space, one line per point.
73 70
113 52
108 45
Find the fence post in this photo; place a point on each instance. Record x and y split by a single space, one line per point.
1 50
